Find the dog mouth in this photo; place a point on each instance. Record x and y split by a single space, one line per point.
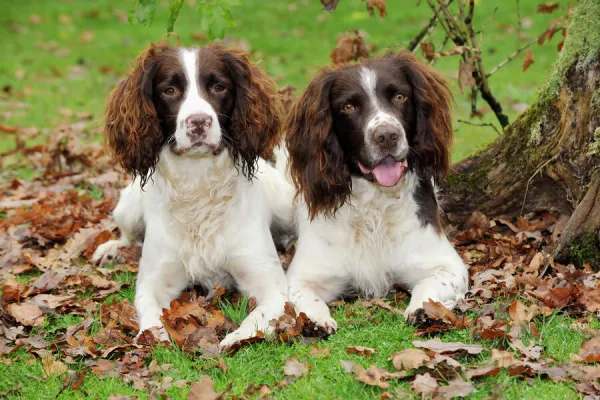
215 149
387 172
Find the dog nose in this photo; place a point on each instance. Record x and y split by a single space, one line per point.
198 123
386 136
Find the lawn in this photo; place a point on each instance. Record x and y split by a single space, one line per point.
61 59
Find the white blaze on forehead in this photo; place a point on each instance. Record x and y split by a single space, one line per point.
368 80
193 102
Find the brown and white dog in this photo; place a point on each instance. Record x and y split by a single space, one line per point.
191 125
366 144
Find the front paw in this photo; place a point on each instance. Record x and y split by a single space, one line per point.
106 252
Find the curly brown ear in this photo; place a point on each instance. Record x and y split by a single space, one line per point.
432 102
256 120
317 163
132 128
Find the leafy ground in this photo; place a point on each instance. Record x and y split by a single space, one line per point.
529 328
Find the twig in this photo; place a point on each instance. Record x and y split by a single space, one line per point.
510 57
537 171
462 121
412 46
446 38
474 101
479 73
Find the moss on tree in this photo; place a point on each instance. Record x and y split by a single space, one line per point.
585 249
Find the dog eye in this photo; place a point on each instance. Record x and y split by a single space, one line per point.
348 108
218 88
399 97
170 91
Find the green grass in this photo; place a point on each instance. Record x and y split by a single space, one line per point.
292 40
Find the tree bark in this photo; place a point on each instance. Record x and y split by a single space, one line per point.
549 158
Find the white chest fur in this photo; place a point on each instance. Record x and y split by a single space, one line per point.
371 231
196 203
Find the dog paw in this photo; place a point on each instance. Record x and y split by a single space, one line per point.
106 252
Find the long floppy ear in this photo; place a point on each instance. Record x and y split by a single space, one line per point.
132 128
432 102
257 115
317 164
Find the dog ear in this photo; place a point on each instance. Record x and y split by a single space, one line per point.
317 164
257 115
432 102
132 128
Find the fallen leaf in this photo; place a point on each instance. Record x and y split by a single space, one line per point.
450 347
424 384
204 390
376 4
295 368
409 359
50 366
590 351
360 350
27 314
456 388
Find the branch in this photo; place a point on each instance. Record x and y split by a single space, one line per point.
462 121
412 46
446 38
479 73
510 57
518 22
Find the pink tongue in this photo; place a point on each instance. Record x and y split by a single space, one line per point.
388 172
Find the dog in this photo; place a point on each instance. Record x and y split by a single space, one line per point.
366 145
193 126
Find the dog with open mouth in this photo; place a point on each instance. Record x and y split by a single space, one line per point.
366 144
194 125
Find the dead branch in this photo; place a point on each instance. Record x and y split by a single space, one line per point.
462 121
412 46
511 56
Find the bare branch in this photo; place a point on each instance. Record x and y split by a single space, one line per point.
462 121
446 38
414 44
518 22
510 57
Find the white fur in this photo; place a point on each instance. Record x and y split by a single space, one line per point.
373 242
194 103
204 223
368 80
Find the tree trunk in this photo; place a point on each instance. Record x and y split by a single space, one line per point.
549 158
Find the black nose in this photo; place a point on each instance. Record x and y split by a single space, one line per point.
386 136
198 124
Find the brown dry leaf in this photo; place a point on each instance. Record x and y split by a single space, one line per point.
450 347
479 372
531 352
409 359
204 390
590 351
322 352
295 368
547 8
502 358
350 47
376 4
456 388
465 78
52 300
590 298
556 297
377 302
424 384
436 311
428 50
528 60
27 314
329 5
375 376
520 313
360 350
50 366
